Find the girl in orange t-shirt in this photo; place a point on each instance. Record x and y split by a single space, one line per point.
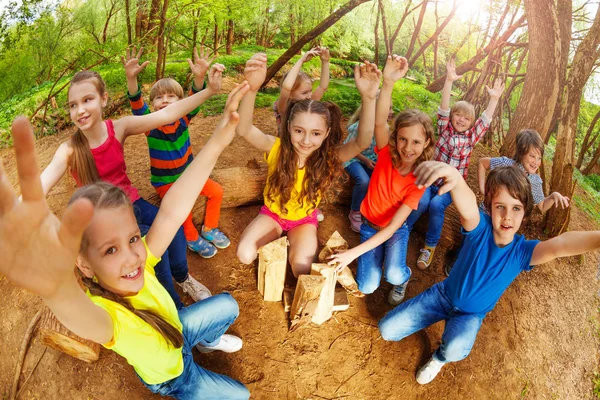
392 193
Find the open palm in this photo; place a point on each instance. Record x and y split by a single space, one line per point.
395 68
367 77
255 72
39 250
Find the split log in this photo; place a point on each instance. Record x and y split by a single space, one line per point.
306 299
54 335
340 300
272 264
345 278
324 309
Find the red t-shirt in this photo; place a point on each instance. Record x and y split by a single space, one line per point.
110 163
388 190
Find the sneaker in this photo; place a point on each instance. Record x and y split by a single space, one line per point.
451 257
355 220
194 289
216 237
425 258
320 216
396 295
202 247
429 371
227 344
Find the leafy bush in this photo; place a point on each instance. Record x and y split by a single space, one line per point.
593 181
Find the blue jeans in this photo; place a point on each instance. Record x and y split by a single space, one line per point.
426 309
436 204
174 262
391 255
361 176
203 322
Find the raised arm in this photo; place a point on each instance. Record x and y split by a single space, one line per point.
131 63
40 250
565 245
394 70
482 166
199 66
324 81
554 199
57 168
179 200
290 79
135 124
343 258
367 78
255 73
495 94
447 89
463 197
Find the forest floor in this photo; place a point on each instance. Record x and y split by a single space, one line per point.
540 342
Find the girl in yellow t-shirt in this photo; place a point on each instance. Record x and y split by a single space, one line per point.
124 308
303 163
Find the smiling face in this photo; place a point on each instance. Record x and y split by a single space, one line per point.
461 121
163 100
114 252
302 92
307 133
410 143
85 104
532 160
507 215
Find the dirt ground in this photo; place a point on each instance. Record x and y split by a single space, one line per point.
540 342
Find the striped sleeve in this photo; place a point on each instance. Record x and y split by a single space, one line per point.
138 105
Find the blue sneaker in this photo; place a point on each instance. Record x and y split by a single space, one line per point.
202 247
216 237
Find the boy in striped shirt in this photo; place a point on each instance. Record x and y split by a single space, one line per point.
171 150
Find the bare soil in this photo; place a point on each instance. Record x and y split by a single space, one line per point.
540 342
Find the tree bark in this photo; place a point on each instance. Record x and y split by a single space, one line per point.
407 12
417 30
542 83
153 19
216 37
128 22
141 19
587 143
316 31
562 168
433 37
229 43
377 36
384 27
161 56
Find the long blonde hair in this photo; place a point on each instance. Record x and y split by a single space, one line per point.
106 196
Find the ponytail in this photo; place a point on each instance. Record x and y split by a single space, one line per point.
82 161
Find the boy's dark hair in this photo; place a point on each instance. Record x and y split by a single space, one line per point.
515 181
525 140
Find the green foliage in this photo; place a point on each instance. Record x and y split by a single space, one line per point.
589 200
593 181
596 383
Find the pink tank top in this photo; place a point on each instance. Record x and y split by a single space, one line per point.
110 164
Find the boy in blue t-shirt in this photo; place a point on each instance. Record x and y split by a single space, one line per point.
490 259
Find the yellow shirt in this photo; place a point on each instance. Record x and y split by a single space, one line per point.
154 359
295 209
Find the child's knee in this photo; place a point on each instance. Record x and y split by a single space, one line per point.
397 275
246 253
227 305
368 286
453 351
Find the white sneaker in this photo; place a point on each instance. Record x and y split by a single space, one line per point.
396 294
227 344
194 289
429 371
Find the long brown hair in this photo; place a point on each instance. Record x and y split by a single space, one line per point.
322 166
82 161
405 119
106 196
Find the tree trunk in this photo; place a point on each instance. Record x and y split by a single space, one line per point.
111 12
433 37
316 31
384 27
562 168
588 169
407 12
377 37
161 56
436 43
216 38
292 24
141 19
542 82
587 143
417 30
153 20
128 22
229 45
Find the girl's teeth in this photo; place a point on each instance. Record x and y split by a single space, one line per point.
132 274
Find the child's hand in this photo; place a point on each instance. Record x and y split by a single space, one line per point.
201 63
395 68
367 77
429 172
225 129
215 77
560 200
324 54
255 72
369 163
497 90
341 259
39 251
451 71
306 57
131 62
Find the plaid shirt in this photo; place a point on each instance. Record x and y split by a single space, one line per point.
455 148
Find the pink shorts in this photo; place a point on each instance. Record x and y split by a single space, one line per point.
288 225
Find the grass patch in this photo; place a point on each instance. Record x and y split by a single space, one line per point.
589 201
596 383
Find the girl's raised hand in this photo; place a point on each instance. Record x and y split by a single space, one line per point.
429 172
497 90
314 52
131 62
395 68
451 71
324 54
367 77
255 71
39 251
225 130
215 77
201 62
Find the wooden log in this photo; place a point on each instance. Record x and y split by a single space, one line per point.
54 335
272 263
306 299
324 309
340 300
345 278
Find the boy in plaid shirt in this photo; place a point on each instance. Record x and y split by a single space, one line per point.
458 133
